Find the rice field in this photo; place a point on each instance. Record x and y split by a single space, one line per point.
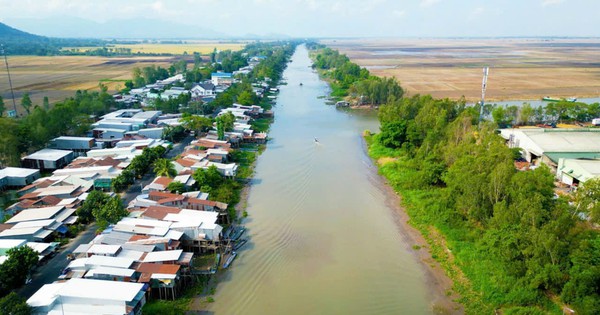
189 47
58 77
520 69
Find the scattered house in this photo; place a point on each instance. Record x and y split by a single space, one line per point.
48 159
89 296
79 145
221 78
16 177
152 133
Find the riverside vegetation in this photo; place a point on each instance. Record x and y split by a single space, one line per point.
509 243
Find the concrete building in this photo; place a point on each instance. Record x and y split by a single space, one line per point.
221 78
48 159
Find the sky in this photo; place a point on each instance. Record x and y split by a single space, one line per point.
330 18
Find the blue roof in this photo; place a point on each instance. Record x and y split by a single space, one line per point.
221 74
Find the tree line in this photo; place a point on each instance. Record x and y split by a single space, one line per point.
516 241
348 80
552 113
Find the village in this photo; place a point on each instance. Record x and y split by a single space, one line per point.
169 237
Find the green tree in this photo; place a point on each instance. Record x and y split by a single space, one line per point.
228 119
247 98
2 106
110 213
164 167
196 123
16 268
26 102
526 113
46 103
176 187
95 200
587 199
14 304
220 129
208 179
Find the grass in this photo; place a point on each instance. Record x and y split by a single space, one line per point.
520 68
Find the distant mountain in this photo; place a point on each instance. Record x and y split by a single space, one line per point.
17 42
7 32
135 28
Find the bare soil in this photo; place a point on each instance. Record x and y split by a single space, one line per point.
520 68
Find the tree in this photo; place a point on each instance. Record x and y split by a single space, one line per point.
176 187
46 103
26 102
246 98
228 119
587 199
220 129
2 106
164 167
196 123
208 179
16 268
14 304
95 200
110 213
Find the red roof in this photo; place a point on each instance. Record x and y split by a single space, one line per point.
186 162
31 195
201 202
50 200
164 181
159 212
158 268
158 195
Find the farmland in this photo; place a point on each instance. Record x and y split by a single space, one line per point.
59 77
520 69
203 47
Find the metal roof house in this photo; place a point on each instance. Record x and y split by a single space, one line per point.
89 296
79 145
48 159
14 177
575 171
549 145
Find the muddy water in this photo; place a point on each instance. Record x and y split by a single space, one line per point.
322 239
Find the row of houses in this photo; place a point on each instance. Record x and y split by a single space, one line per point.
573 154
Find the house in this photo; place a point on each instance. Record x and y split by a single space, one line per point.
221 78
48 159
159 183
89 296
16 177
163 279
79 145
152 133
203 89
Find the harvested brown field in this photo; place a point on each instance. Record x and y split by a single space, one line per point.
189 46
59 77
520 69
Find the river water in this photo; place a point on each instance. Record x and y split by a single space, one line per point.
322 239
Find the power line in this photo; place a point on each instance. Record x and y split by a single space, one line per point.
12 92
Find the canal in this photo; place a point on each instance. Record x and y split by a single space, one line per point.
323 239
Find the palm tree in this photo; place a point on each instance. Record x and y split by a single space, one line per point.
164 167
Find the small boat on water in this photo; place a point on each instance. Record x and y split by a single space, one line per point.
230 259
300 83
554 99
237 233
316 140
240 243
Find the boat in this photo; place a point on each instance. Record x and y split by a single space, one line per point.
230 259
554 99
550 99
316 140
300 83
238 233
240 243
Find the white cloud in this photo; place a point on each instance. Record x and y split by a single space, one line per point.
477 12
399 13
428 3
551 2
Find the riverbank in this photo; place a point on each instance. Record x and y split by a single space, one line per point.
440 286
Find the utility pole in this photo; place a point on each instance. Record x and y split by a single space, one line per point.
483 87
12 92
